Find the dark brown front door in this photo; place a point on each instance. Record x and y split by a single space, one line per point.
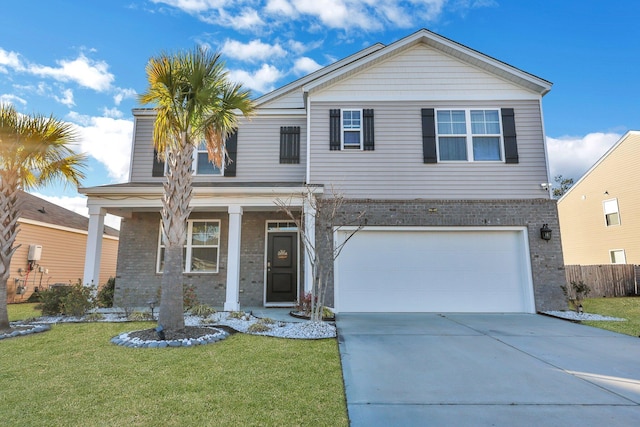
282 267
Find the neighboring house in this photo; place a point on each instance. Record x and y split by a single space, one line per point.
52 244
441 147
600 214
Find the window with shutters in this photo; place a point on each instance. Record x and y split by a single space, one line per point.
351 129
611 212
290 145
201 163
469 135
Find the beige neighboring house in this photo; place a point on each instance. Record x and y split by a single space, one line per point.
600 214
52 243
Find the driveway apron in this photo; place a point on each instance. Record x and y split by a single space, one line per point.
424 369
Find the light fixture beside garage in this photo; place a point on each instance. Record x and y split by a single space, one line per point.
545 232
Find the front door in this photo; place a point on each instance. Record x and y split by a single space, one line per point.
282 267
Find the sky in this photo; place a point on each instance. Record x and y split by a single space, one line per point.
84 61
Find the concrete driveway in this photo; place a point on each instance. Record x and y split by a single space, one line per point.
423 369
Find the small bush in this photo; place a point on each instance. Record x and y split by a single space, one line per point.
139 316
189 297
258 327
202 310
105 295
70 300
266 321
236 315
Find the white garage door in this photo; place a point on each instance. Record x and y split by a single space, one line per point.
427 270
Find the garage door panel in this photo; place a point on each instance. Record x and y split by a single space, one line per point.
434 271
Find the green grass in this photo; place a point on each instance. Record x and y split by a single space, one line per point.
23 311
72 375
626 308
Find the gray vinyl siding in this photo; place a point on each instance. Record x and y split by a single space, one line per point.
258 152
395 169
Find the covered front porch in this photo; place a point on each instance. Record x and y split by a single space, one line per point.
253 251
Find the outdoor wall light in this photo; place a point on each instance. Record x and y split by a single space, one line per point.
545 232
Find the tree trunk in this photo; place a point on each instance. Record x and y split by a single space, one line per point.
9 214
175 212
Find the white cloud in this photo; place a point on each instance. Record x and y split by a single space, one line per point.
12 99
108 140
10 59
112 112
78 204
123 94
82 70
193 6
66 99
572 156
247 19
261 81
255 50
305 65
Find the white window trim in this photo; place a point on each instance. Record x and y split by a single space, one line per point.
469 135
189 247
606 212
194 165
624 256
342 130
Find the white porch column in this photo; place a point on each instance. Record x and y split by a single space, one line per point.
233 259
310 232
93 252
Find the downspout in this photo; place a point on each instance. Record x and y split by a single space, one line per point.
308 106
546 153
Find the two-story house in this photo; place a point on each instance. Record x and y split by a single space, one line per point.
600 214
440 148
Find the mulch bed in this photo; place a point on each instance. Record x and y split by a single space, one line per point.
189 332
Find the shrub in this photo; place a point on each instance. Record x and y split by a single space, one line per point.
576 293
94 317
105 295
236 315
258 327
202 310
189 296
266 321
139 316
70 300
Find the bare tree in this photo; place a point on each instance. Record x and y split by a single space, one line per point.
327 213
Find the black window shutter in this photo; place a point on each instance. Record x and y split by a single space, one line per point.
290 144
429 136
509 135
231 146
158 165
334 129
367 128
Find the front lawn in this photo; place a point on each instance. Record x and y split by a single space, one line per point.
625 307
72 375
23 311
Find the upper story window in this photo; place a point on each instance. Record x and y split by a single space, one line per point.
351 129
201 163
469 135
201 253
611 212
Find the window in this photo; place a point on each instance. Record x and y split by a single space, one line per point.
351 129
290 144
611 213
201 163
201 253
469 135
618 256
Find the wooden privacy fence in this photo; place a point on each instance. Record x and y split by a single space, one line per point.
607 280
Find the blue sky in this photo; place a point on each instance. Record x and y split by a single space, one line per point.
84 61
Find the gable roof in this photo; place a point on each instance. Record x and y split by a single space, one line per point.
630 134
36 209
380 52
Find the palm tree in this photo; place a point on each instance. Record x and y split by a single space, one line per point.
34 151
195 102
